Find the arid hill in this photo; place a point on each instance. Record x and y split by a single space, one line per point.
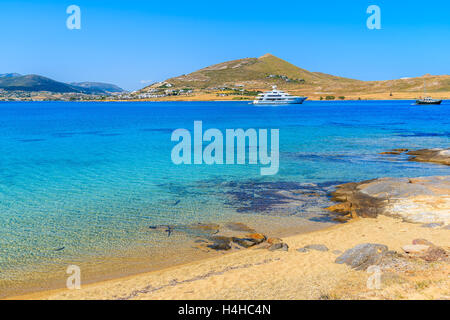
249 75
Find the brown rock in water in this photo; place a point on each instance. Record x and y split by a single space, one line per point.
205 226
440 156
257 237
342 219
395 151
354 202
343 207
246 243
220 243
210 228
391 152
400 150
250 240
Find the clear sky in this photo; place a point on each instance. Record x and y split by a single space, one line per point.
131 42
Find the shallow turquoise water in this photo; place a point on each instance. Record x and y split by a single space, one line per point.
91 177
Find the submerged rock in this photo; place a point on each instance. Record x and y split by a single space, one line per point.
244 242
363 255
239 226
250 240
205 227
220 243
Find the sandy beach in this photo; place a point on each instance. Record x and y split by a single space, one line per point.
258 273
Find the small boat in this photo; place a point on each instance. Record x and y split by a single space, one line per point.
276 97
427 100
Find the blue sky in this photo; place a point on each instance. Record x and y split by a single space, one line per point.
126 42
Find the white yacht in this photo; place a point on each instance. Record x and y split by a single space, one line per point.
275 97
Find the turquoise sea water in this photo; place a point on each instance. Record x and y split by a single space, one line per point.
85 180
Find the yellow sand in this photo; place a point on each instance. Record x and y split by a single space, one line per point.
258 273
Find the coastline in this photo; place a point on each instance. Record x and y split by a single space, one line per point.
399 96
257 273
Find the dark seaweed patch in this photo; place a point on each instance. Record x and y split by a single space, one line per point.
279 198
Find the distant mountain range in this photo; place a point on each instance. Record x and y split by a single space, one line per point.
263 72
98 86
33 83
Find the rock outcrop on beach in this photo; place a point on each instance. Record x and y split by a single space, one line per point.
440 156
363 255
419 200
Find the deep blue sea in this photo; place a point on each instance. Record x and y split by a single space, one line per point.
83 181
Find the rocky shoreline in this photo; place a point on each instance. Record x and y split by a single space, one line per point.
436 155
419 200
